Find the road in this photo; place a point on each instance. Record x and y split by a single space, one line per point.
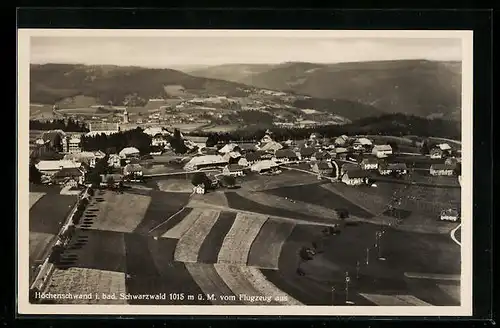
453 235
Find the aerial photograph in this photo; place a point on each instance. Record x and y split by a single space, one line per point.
225 170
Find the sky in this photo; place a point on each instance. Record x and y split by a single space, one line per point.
164 52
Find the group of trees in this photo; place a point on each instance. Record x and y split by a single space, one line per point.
387 124
68 125
117 141
200 178
177 143
93 176
35 176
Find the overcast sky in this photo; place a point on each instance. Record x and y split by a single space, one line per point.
177 51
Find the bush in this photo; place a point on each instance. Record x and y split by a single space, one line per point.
305 255
201 178
343 213
228 181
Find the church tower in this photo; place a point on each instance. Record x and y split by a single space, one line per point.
125 116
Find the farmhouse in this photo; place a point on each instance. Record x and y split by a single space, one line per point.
86 157
205 161
129 152
66 174
369 163
441 169
382 150
234 170
52 167
271 147
232 157
306 153
323 168
439 150
449 215
264 166
389 168
285 155
159 140
355 177
341 141
132 171
229 148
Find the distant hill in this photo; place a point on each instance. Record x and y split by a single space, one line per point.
51 83
415 87
230 72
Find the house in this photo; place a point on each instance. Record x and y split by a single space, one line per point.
159 140
436 153
306 153
369 163
73 145
440 150
323 168
205 161
116 178
129 152
52 167
271 147
382 151
390 168
70 173
341 141
232 157
132 171
449 215
453 161
285 155
362 144
199 189
355 177
441 169
229 148
264 166
234 170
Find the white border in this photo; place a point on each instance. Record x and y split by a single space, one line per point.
24 307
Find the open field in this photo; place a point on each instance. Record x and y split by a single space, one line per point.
256 182
161 207
238 202
220 128
239 281
190 243
453 143
314 194
239 239
151 270
177 231
78 281
267 245
403 251
210 282
212 243
186 128
217 198
175 185
34 197
120 212
296 206
48 214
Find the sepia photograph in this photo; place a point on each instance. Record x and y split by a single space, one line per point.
244 172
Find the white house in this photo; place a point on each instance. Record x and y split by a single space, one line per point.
369 163
74 144
232 156
441 169
158 140
264 166
388 168
341 141
129 152
133 170
234 170
354 177
449 215
382 150
271 146
228 148
199 189
204 161
52 167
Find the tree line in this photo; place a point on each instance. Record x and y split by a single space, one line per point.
68 125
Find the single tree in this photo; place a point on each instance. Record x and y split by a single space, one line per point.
200 178
229 181
34 175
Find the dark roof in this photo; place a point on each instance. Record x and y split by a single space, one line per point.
357 173
369 160
281 153
350 166
442 167
68 172
307 151
51 136
254 156
235 167
247 147
396 166
320 155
